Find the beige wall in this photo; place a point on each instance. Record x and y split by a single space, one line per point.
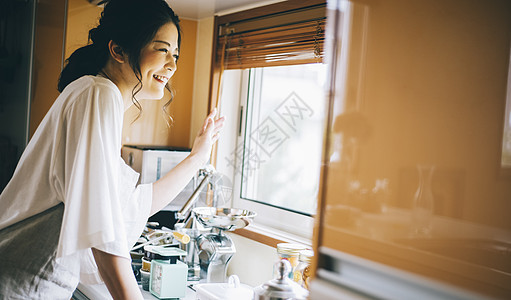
202 73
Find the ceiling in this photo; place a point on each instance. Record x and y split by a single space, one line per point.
198 9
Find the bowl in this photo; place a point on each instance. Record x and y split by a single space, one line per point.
223 218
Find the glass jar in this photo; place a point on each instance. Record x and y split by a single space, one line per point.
302 272
290 252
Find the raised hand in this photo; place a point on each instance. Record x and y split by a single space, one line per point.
207 136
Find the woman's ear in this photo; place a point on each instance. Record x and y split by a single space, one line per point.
116 52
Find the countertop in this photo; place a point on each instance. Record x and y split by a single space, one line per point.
99 291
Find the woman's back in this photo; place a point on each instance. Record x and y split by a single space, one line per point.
39 180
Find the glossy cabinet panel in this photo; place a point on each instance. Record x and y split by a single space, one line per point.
415 171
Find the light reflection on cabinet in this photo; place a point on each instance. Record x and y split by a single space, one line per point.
419 83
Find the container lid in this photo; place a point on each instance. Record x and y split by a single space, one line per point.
281 287
290 248
170 254
167 252
232 290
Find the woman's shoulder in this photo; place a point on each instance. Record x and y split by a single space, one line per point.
92 82
91 88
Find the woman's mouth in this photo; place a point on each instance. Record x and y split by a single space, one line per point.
161 79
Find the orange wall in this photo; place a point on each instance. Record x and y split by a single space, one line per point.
82 16
50 21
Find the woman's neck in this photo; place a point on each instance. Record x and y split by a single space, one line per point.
118 73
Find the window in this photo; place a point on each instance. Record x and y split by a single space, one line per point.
268 79
283 138
276 155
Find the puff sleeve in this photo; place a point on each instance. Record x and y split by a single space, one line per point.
103 207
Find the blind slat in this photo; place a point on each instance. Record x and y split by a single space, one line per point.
309 14
302 45
291 41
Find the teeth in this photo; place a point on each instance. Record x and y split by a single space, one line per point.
161 78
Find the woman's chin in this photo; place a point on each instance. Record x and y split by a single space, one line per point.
152 96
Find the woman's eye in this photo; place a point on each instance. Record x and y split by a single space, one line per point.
164 50
176 57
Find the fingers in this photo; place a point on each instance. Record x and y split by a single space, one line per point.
219 123
216 130
216 133
213 113
210 117
210 121
207 124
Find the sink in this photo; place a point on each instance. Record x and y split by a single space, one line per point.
484 252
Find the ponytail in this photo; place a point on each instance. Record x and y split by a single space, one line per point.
87 60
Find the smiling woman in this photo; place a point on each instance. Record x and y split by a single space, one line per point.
82 194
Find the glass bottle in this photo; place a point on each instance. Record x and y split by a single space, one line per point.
423 203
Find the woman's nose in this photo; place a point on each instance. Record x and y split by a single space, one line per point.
171 64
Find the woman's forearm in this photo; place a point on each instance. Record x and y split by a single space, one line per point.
117 274
170 185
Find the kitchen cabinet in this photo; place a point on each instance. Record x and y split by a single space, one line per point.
16 57
418 93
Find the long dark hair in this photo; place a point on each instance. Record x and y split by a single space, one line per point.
131 24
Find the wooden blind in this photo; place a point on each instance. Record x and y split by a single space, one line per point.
289 37
283 33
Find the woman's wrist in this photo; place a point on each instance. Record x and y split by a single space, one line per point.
196 160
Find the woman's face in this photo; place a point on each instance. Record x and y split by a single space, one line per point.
158 62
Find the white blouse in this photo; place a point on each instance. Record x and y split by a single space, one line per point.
74 158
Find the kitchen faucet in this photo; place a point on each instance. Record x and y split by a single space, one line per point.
211 176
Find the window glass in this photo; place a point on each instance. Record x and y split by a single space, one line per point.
283 136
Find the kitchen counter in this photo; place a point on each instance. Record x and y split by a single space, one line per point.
100 291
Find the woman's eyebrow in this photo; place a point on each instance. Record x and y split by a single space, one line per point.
166 43
163 42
